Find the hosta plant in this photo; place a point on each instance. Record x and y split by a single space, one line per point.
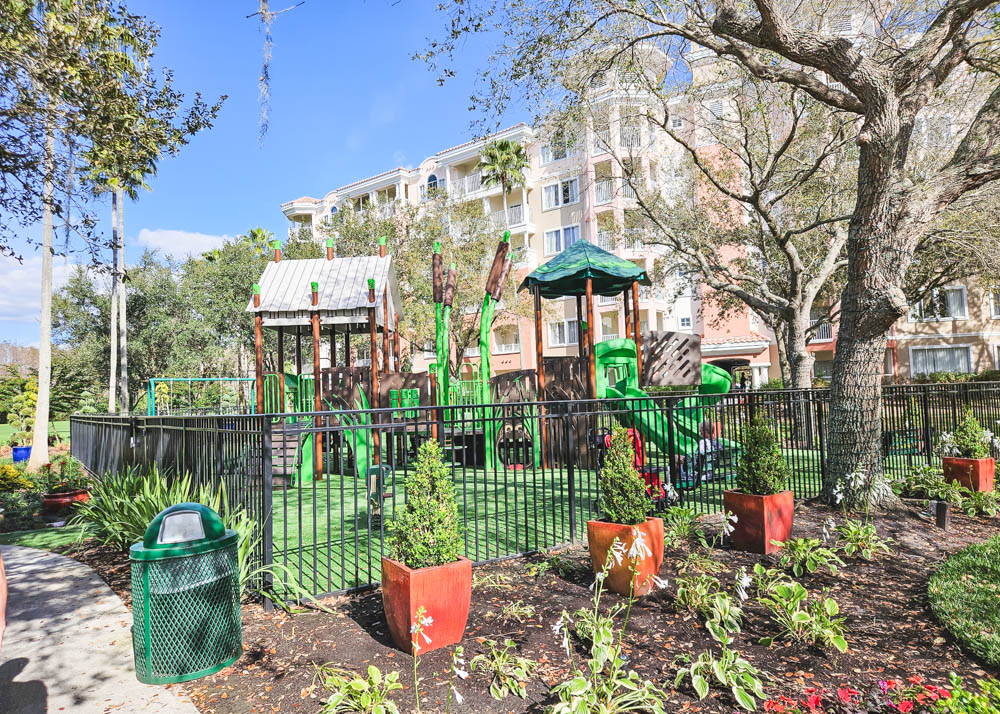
508 672
861 539
807 555
765 579
813 622
356 693
729 671
696 593
680 525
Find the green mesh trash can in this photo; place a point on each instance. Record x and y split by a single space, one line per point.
185 596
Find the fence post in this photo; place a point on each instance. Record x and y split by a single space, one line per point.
267 476
925 407
822 440
571 470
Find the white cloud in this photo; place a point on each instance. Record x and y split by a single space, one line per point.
179 244
21 301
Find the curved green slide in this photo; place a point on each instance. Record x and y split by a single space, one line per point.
617 378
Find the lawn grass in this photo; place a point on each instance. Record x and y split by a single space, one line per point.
964 593
59 427
45 538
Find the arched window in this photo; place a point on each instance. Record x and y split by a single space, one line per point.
432 182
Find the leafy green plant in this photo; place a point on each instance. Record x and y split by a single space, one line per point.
812 622
426 531
517 611
352 692
966 701
696 593
929 483
491 581
509 672
699 563
861 539
63 474
969 440
587 620
761 469
765 579
730 670
623 492
21 511
21 416
13 479
803 555
680 524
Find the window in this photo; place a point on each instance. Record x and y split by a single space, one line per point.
942 304
676 122
563 333
561 194
685 323
560 146
823 368
924 360
840 23
558 240
995 303
506 340
714 108
432 182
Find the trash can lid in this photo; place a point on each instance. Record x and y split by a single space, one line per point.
184 529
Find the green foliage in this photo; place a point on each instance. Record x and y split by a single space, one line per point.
766 579
517 611
356 693
773 384
926 482
509 672
761 469
11 385
426 531
699 563
967 701
680 524
13 479
62 475
22 511
963 593
587 621
696 593
807 555
503 163
22 413
812 622
491 581
730 670
623 492
861 539
969 440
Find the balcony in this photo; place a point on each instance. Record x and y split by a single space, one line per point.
467 185
606 240
628 190
633 240
602 142
604 190
523 257
823 334
514 217
506 348
471 351
604 300
630 137
608 337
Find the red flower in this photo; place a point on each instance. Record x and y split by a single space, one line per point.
905 706
916 679
847 694
813 702
772 706
892 683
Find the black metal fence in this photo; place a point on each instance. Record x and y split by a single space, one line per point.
323 486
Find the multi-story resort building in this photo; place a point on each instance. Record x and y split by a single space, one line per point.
574 190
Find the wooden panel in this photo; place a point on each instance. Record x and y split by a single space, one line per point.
671 358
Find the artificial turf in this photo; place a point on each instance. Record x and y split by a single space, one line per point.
45 538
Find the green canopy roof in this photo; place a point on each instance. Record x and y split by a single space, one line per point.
567 273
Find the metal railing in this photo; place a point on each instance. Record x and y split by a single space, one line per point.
467 184
514 217
526 473
606 240
823 334
604 190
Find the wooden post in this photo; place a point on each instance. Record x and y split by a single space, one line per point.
590 338
635 330
298 351
317 381
385 312
349 358
277 251
281 367
258 341
579 327
329 248
628 315
376 456
395 342
540 369
333 346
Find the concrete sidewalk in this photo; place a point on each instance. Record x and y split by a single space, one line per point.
68 644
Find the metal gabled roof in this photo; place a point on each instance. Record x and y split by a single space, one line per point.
286 295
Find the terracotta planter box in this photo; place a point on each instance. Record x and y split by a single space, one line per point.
600 536
974 474
54 502
444 591
760 519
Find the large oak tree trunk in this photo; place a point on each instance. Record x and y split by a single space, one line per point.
800 359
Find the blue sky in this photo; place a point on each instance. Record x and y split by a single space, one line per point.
346 102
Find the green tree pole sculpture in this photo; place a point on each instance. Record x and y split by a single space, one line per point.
494 291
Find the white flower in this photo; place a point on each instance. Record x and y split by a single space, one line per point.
426 620
618 552
413 628
461 673
639 550
458 697
729 524
659 582
557 628
426 638
599 578
742 583
416 647
828 526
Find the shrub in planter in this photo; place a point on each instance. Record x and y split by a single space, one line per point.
761 503
65 483
637 540
426 571
966 455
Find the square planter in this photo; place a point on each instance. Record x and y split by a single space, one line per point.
600 536
974 474
760 519
445 593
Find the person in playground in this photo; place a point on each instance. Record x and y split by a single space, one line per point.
699 462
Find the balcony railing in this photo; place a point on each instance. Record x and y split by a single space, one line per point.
514 217
602 141
607 300
506 348
633 240
467 184
823 334
472 351
631 137
628 190
606 240
604 190
608 336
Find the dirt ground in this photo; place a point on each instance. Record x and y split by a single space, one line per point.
890 630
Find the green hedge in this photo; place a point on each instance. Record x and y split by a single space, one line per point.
965 596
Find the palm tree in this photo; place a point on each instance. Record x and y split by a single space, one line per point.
503 163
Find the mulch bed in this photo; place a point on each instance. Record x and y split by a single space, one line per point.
890 630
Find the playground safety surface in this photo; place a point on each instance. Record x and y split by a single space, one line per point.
891 632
